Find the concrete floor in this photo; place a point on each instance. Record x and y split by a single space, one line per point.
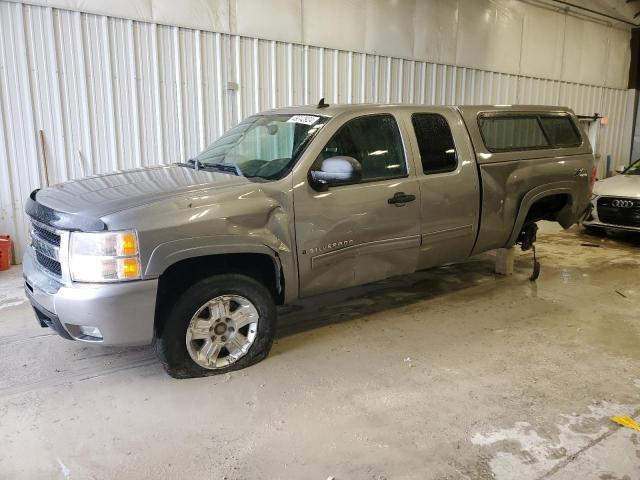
453 373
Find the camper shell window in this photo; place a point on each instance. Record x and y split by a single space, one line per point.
507 133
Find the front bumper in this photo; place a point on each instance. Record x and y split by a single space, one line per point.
123 312
591 219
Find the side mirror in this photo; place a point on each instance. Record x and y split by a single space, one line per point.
620 168
334 171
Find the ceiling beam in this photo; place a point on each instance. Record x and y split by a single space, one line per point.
606 15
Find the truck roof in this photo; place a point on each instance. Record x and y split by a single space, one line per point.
468 113
467 110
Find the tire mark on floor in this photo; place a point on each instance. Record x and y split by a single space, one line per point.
70 377
23 338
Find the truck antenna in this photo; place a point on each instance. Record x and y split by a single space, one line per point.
321 103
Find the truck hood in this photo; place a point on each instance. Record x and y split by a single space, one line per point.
102 195
619 186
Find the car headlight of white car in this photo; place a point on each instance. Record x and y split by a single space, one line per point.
104 256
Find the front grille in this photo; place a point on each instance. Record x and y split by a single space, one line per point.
46 243
619 211
49 264
46 235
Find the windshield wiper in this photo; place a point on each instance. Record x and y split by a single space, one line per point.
193 163
227 167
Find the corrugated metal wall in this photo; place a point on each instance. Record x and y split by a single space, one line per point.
113 94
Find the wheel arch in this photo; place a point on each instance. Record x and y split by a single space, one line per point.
261 264
557 197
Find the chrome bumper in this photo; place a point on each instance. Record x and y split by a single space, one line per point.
123 312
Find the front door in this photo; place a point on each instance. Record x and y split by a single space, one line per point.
352 234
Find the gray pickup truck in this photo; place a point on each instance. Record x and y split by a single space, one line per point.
194 257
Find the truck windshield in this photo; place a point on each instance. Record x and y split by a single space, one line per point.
264 146
634 169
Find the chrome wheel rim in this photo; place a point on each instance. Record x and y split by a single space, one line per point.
221 331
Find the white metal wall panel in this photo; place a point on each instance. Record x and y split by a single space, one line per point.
276 19
527 37
542 43
435 31
338 30
113 94
20 144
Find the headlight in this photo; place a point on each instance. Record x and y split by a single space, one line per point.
104 256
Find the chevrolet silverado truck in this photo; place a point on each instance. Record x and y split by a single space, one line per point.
194 257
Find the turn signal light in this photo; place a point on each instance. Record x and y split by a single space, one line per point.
128 268
128 244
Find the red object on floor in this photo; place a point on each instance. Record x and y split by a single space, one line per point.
5 252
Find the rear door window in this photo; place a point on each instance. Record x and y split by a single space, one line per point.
435 142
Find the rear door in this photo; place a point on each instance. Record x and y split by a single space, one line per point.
353 234
447 176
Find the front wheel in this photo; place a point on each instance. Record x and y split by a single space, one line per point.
220 324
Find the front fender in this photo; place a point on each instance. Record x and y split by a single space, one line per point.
169 253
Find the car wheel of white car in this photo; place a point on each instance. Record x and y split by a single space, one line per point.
220 324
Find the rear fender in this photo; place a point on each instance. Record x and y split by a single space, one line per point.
565 216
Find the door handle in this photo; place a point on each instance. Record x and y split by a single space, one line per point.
400 198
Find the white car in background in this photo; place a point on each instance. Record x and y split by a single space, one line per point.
616 201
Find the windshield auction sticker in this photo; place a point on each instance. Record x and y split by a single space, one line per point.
304 119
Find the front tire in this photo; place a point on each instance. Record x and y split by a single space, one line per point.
219 324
